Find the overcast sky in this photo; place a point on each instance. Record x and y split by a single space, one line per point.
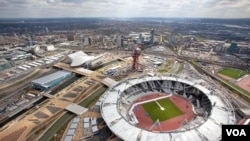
125 8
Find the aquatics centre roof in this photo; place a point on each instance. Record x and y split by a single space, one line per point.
80 58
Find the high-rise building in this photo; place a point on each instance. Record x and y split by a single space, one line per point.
140 36
32 40
46 30
161 39
120 41
70 37
233 48
152 36
87 41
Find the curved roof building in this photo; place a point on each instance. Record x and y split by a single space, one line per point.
205 127
80 58
75 54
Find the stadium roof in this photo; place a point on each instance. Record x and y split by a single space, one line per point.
198 130
44 81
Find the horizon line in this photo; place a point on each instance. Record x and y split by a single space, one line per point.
110 17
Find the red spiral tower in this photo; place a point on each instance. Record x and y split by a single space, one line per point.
135 55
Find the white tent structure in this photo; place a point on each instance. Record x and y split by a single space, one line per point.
75 54
80 58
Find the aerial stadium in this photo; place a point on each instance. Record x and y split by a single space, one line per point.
165 108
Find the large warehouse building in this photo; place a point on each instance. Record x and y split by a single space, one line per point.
51 80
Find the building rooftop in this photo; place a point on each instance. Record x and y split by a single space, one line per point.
44 81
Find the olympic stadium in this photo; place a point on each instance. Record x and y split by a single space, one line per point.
203 110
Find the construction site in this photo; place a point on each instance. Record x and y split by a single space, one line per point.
68 83
99 96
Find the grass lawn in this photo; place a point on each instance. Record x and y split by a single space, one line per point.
166 67
154 111
233 73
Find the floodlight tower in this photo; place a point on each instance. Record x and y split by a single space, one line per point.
135 55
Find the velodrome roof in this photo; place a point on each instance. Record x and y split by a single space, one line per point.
198 130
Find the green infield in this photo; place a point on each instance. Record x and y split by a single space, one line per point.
233 73
156 112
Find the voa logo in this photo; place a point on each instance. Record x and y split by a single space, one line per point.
236 132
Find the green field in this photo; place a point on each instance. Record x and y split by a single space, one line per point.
154 111
233 73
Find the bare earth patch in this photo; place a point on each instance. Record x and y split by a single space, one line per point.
225 77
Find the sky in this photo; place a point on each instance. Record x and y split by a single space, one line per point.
125 8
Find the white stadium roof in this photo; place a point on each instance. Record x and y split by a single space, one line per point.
198 130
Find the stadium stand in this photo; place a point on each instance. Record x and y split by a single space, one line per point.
211 110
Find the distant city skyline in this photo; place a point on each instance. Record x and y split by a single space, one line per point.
125 8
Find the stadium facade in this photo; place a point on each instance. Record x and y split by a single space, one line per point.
211 107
